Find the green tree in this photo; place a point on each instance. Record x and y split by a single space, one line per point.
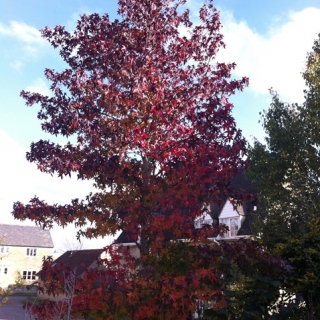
253 279
286 171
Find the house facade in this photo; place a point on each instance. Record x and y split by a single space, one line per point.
22 249
237 217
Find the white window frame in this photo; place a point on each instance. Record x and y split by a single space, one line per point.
203 220
4 250
29 274
233 224
31 252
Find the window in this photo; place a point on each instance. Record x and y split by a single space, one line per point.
199 222
32 252
4 250
29 275
233 226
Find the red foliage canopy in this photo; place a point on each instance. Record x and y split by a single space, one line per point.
147 112
150 113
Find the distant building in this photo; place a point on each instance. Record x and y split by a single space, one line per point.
77 261
21 251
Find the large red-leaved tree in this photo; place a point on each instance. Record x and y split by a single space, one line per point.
149 111
146 108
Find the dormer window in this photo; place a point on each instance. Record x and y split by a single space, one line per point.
203 220
233 226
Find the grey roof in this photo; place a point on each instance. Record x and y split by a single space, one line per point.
245 229
240 184
79 259
25 236
125 238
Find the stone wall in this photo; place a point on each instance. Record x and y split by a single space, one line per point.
23 289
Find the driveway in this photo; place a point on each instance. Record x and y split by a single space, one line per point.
13 309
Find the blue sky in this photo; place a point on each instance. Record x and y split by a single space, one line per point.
268 40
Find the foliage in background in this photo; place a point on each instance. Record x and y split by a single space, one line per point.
3 296
170 286
19 280
286 171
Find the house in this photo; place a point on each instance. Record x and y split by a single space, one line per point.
237 218
21 251
77 261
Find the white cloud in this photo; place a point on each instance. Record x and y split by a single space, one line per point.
275 59
30 42
39 86
20 181
22 32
